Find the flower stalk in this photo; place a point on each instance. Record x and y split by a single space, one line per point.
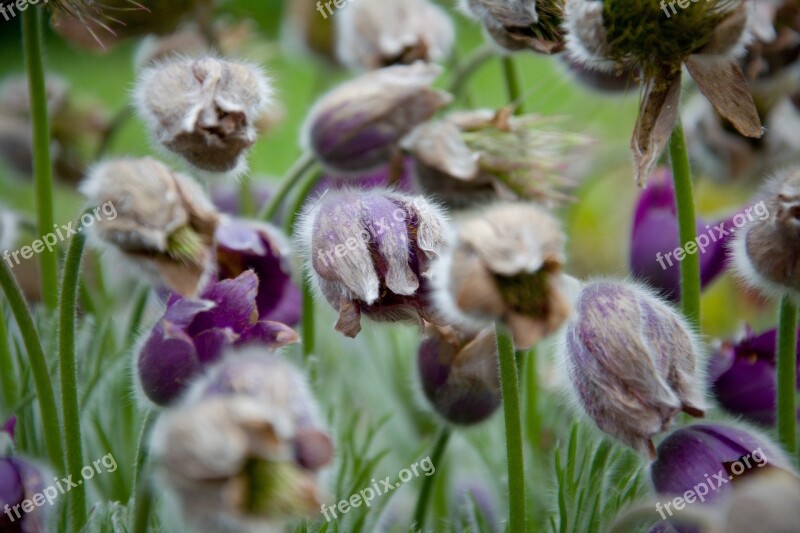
293 177
787 375
425 493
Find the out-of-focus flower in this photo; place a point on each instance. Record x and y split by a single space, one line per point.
164 223
655 237
471 157
243 450
357 126
193 333
475 507
372 34
19 481
742 377
204 109
505 264
459 373
632 362
227 197
305 30
639 35
521 24
402 179
370 253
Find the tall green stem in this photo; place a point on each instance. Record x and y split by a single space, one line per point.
427 486
8 376
468 67
787 375
687 223
309 340
513 417
512 84
38 364
42 163
292 178
73 440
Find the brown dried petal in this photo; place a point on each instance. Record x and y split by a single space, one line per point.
658 112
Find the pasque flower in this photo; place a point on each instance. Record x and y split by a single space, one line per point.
19 481
357 126
372 34
204 109
638 34
370 253
632 362
505 263
244 448
194 332
521 24
459 373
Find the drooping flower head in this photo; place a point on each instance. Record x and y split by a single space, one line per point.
632 362
521 24
370 253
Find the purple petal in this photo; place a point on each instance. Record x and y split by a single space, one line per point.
9 426
236 309
239 238
211 344
270 333
11 489
167 362
182 311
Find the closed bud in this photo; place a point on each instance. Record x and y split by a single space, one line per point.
521 24
205 110
505 264
163 221
632 362
370 253
372 34
459 373
357 126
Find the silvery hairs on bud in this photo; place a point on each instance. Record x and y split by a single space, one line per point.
632 362
766 253
204 109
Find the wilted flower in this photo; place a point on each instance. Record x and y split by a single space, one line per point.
357 126
632 362
638 34
505 264
370 253
372 34
164 221
204 109
474 156
244 448
521 24
459 373
193 333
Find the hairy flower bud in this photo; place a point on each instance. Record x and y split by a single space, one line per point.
372 34
204 109
163 221
244 448
632 362
370 253
521 24
357 126
459 373
505 264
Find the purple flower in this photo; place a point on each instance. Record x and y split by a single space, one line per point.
19 481
193 333
9 426
656 237
742 377
226 196
400 178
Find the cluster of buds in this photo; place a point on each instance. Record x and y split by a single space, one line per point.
243 450
632 362
521 24
19 481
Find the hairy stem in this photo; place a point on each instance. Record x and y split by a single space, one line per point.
787 375
292 178
427 485
468 67
512 84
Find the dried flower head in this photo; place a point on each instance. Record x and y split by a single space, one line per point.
372 34
521 24
204 109
357 126
243 450
370 253
505 264
632 362
637 34
164 223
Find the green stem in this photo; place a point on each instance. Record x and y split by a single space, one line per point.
512 84
293 177
309 340
787 375
141 490
427 485
8 375
468 67
73 441
143 505
511 410
247 203
533 426
38 365
684 198
136 316
315 173
42 163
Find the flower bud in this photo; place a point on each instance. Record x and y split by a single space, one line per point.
459 373
245 446
163 221
193 333
371 34
398 177
357 126
20 480
505 264
204 110
620 81
370 253
521 24
632 362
